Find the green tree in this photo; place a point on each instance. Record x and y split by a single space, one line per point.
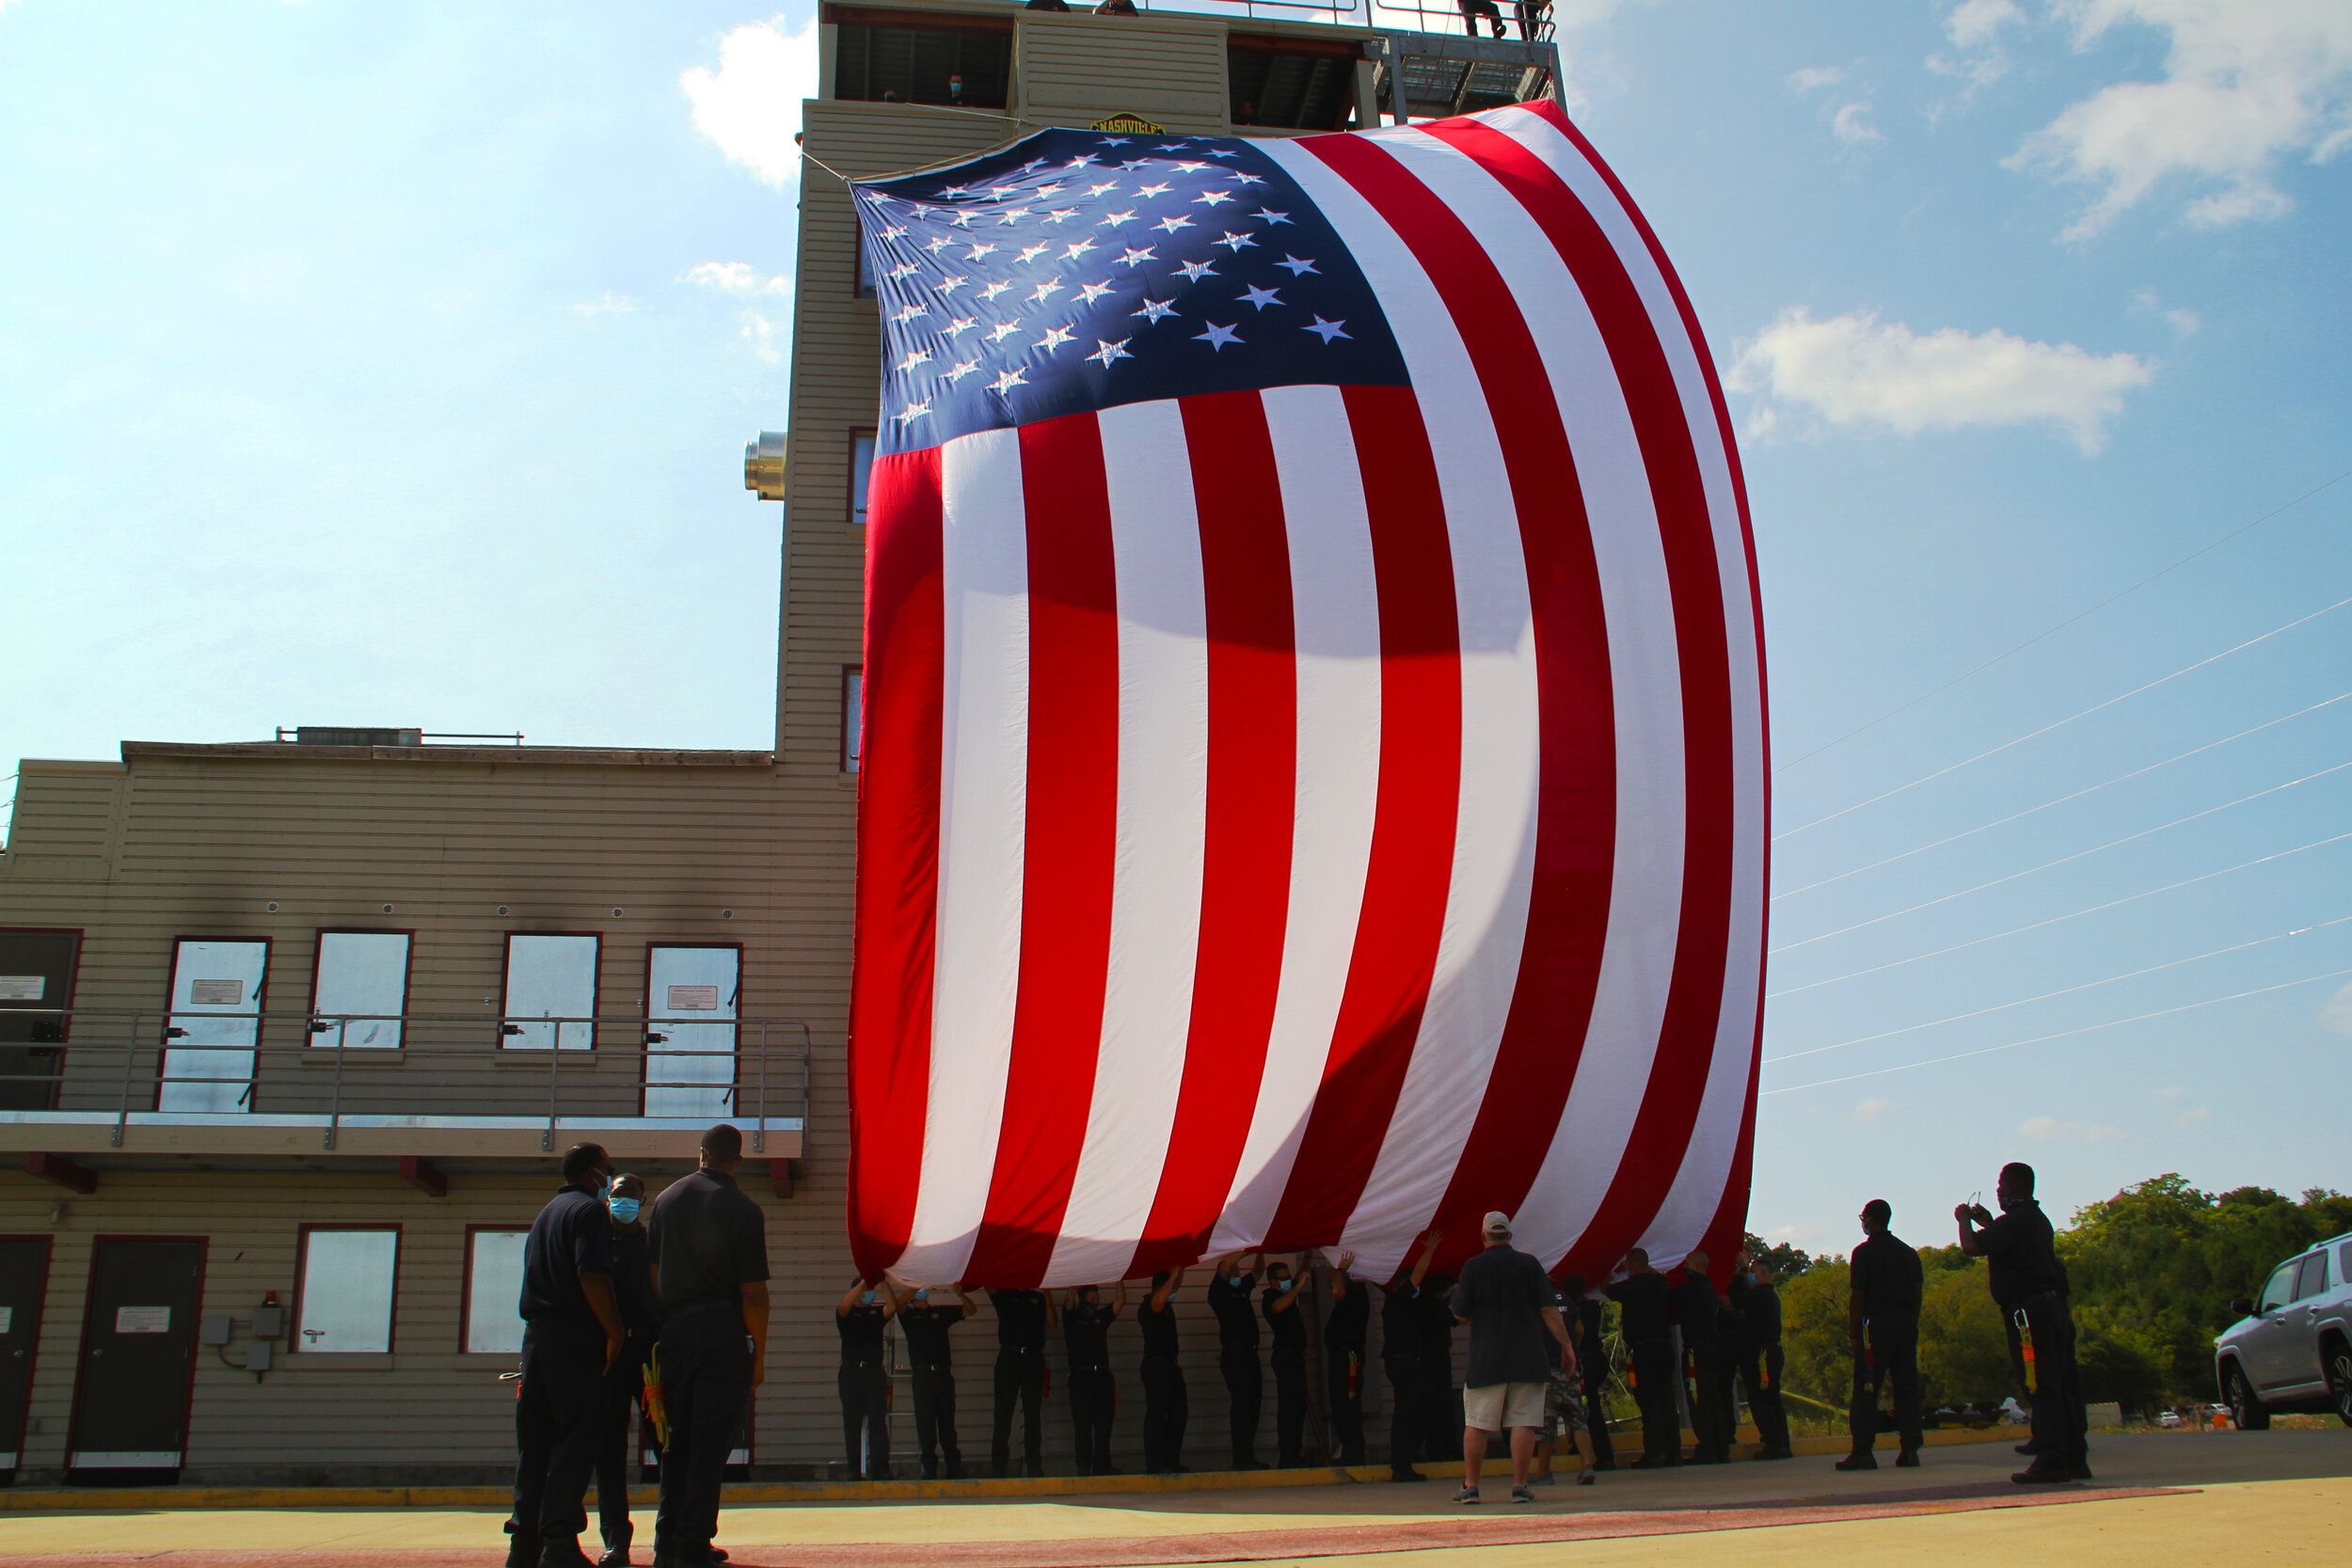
1964 1351
1814 1335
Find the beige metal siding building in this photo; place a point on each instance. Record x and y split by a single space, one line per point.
283 1026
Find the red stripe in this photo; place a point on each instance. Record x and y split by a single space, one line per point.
1246 867
1567 914
898 856
1071 842
1411 858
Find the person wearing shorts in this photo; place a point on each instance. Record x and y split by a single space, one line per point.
1510 1306
1564 1419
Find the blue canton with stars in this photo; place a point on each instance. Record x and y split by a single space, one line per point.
1075 271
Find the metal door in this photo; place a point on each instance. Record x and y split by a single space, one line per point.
24 1275
690 996
36 987
2270 1347
138 1353
215 1019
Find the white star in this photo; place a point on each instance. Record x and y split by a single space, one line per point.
1217 336
1235 242
1044 191
1171 225
1011 216
1046 290
1106 185
1000 191
1223 153
915 411
1109 351
1271 218
1115 219
993 290
977 251
897 231
1196 271
1033 165
1055 338
1076 250
1061 214
1135 258
1213 198
1190 169
960 326
1176 146
955 190
1114 141
1002 330
937 244
904 269
1327 330
907 312
1295 266
1149 191
1093 291
915 357
922 211
964 368
1080 161
1154 310
963 220
1031 252
1260 297
952 282
1246 179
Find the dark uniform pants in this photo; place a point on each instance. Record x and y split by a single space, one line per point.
707 1384
1713 1418
865 1419
1290 1405
1759 1382
623 1387
1893 1364
1167 1408
1653 1379
1244 1390
2058 1434
1093 1399
1343 1387
935 1420
559 1420
1020 1376
1440 1410
1405 1413
1592 1364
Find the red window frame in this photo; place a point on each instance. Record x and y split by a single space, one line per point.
302 1276
464 1286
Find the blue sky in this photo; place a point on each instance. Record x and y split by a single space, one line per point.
392 364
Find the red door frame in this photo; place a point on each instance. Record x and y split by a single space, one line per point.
644 1053
260 1005
72 984
32 1353
89 1308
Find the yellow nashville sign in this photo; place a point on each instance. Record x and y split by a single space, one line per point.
1131 124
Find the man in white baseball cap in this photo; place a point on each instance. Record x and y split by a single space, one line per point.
1506 1297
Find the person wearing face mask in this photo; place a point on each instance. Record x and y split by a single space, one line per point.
572 1335
924 1320
1237 1357
640 1322
1085 1325
865 1379
1288 1326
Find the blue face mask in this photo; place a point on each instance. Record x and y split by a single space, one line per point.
625 1210
923 1294
868 1298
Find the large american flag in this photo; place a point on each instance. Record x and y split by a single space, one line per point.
1314 781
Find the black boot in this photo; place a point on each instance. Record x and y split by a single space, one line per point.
522 1547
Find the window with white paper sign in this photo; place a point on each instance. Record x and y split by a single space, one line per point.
358 989
550 978
494 1286
213 1026
690 995
344 1289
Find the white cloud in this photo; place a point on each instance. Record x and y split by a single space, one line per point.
1975 28
2191 1117
1814 76
609 304
750 105
1868 1112
2051 1130
2246 82
1851 371
1852 124
2183 322
2337 1015
772 292
740 278
2168 1091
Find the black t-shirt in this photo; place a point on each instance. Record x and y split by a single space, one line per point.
572 1236
709 1240
2024 1255
1344 1328
1159 1329
926 1326
1400 1322
1229 1298
1887 1275
1289 1324
1592 1360
1758 1306
861 1329
1435 1312
633 1285
1504 1292
1085 1330
1700 1309
1643 1300
1020 1319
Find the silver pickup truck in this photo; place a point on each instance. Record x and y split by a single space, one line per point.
2290 1348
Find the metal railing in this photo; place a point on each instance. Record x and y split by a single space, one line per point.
447 1069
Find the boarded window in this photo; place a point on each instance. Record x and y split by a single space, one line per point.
344 1293
493 1287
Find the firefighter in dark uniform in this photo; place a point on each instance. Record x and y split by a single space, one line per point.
1343 1359
572 1335
1237 1357
1399 1357
1644 1304
1883 1313
2029 1280
1166 1403
625 1383
707 1241
1592 1368
925 1321
1288 1326
1022 1320
1701 1313
1441 1400
1086 1328
864 1377
1759 1358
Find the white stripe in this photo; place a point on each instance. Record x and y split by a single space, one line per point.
1335 606
1162 842
983 809
1494 843
1699 1184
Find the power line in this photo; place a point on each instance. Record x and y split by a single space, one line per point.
2062 624
2062 1034
2046 805
2068 991
2056 919
2063 859
2062 722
